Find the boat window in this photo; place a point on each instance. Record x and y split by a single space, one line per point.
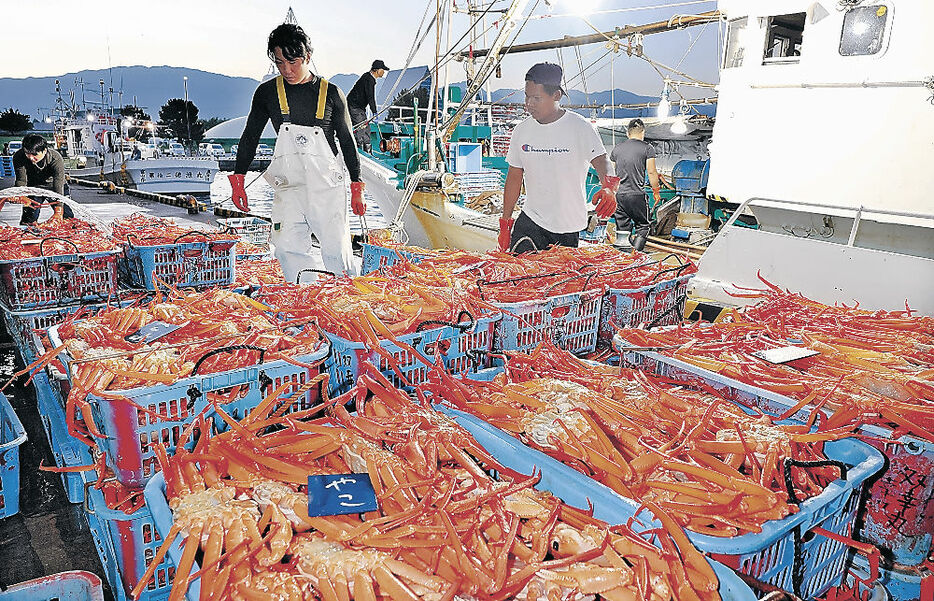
863 30
785 33
735 46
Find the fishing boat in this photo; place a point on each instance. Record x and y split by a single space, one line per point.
822 142
415 175
95 147
94 143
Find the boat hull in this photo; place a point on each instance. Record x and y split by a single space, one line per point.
447 225
382 184
160 176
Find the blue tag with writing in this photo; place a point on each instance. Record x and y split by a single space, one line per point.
337 494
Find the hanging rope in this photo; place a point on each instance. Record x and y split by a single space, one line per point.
631 9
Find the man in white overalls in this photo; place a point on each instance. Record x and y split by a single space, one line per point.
311 118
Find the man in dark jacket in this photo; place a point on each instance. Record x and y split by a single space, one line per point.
39 166
363 95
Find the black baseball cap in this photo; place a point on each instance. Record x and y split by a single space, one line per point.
546 74
378 64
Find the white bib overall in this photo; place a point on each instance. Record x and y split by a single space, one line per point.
310 197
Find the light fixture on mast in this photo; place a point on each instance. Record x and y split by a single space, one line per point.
664 105
680 125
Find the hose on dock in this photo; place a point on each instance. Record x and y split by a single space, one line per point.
185 201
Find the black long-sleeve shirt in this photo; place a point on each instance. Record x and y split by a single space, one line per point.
49 173
303 106
363 93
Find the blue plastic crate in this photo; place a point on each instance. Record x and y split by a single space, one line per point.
900 502
127 545
249 229
58 280
67 450
556 478
658 303
12 435
570 320
64 586
131 434
668 301
769 556
6 167
376 257
22 325
196 264
458 348
130 427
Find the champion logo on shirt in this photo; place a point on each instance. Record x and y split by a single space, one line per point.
530 148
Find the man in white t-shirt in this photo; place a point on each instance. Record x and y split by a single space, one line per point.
552 151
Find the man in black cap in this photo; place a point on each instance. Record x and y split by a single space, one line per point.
551 152
362 95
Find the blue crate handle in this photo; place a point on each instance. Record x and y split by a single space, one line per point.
677 271
191 233
298 276
228 349
524 239
677 306
589 275
463 327
797 566
789 463
131 237
44 240
481 283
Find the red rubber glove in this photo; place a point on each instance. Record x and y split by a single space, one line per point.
238 193
605 198
356 198
505 233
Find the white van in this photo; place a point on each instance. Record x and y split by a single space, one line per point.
211 149
174 149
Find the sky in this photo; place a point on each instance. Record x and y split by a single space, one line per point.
229 37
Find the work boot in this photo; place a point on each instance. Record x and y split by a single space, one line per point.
592 224
637 241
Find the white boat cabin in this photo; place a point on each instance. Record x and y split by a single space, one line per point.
825 133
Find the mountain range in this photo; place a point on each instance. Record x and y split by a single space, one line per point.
214 94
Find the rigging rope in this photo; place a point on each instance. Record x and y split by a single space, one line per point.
630 9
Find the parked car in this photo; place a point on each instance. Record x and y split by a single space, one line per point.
210 149
263 150
15 145
234 148
174 149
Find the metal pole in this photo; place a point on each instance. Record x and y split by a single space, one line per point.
595 38
187 120
613 95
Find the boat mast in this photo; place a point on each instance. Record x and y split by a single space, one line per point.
435 87
509 20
